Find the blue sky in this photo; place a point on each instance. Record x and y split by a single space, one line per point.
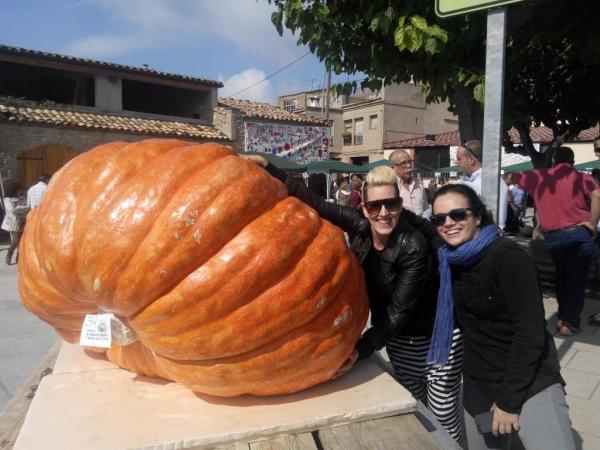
228 40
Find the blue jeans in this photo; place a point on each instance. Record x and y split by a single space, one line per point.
572 251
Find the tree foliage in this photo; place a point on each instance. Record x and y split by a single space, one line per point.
552 62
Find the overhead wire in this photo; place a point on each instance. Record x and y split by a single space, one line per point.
270 76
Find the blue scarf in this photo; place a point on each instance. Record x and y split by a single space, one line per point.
464 255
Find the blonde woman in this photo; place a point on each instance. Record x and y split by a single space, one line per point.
392 246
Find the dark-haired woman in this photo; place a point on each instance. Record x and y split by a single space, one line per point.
14 218
511 374
402 287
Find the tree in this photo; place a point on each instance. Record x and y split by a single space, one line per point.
552 61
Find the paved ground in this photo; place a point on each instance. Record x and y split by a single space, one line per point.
580 361
24 339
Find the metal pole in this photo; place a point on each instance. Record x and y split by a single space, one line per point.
328 94
494 102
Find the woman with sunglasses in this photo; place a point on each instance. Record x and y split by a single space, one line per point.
402 285
511 374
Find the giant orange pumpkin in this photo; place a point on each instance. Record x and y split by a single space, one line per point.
231 286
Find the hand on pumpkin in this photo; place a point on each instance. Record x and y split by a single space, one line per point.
347 365
257 159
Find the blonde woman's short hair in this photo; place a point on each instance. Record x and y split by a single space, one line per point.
380 176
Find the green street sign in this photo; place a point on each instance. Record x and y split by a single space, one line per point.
447 8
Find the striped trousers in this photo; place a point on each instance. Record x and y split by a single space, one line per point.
436 387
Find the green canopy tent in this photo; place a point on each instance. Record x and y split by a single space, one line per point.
385 162
284 164
588 166
519 167
448 169
381 162
329 166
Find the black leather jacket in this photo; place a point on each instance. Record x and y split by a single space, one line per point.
402 280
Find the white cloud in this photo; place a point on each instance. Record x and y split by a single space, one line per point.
158 23
103 46
235 83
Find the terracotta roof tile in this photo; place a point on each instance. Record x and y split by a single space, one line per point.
266 111
104 65
113 122
541 135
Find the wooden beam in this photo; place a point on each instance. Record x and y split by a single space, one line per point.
403 432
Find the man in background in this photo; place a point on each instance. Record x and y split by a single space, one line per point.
37 191
469 159
568 206
412 191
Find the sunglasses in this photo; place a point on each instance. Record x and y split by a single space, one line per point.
457 215
409 162
391 204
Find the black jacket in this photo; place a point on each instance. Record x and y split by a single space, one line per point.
402 280
508 353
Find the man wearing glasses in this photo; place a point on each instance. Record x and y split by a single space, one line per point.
468 158
412 191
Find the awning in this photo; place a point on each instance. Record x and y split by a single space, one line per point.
332 166
281 163
448 169
588 166
519 167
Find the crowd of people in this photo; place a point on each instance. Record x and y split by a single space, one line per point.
17 203
452 299
417 197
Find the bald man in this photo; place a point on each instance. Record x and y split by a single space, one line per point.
468 158
412 191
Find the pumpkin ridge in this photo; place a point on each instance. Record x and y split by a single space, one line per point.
225 248
190 252
331 311
330 279
139 316
151 201
220 373
65 189
62 185
50 303
206 297
335 309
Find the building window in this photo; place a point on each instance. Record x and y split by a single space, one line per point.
347 133
358 131
374 122
314 102
290 105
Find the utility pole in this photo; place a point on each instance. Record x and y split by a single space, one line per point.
327 93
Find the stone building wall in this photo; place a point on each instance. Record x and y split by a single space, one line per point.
17 138
231 122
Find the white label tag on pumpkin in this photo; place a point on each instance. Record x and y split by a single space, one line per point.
95 331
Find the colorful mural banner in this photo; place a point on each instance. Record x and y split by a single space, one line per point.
299 143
